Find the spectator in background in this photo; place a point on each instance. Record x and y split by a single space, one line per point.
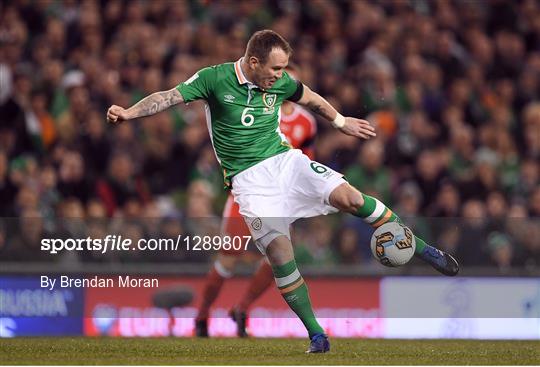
44 126
484 179
496 209
428 176
348 245
462 152
7 188
315 249
121 184
16 122
49 196
446 204
201 219
26 200
368 173
95 146
69 122
24 244
529 178
72 178
531 130
534 203
501 251
408 205
471 248
97 227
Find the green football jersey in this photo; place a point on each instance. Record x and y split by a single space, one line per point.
243 119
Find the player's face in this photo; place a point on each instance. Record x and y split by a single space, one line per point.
265 75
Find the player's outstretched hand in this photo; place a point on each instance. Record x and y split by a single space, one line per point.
117 114
358 128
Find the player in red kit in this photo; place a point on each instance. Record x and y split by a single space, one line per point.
300 127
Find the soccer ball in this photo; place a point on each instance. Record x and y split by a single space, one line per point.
393 244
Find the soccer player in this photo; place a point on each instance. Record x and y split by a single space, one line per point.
273 183
299 127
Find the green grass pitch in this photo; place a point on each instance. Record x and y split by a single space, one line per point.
178 351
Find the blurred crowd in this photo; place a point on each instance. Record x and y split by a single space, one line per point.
452 87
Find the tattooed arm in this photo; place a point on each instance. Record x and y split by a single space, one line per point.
348 125
150 105
317 104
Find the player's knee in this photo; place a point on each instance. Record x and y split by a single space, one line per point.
280 251
346 198
225 265
354 201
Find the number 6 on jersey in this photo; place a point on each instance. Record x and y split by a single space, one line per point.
246 116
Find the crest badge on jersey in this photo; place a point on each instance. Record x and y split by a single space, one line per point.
269 99
256 224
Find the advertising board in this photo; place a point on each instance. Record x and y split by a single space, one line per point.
27 309
345 307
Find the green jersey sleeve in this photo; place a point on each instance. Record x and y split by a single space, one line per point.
293 88
199 86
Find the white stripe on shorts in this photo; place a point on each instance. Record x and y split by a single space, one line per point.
281 282
379 210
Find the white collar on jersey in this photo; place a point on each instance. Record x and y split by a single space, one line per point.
240 74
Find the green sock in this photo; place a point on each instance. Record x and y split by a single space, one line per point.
376 214
295 292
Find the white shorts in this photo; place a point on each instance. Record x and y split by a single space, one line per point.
275 192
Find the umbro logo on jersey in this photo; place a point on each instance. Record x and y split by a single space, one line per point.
228 98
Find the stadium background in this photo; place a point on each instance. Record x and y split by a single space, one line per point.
451 85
